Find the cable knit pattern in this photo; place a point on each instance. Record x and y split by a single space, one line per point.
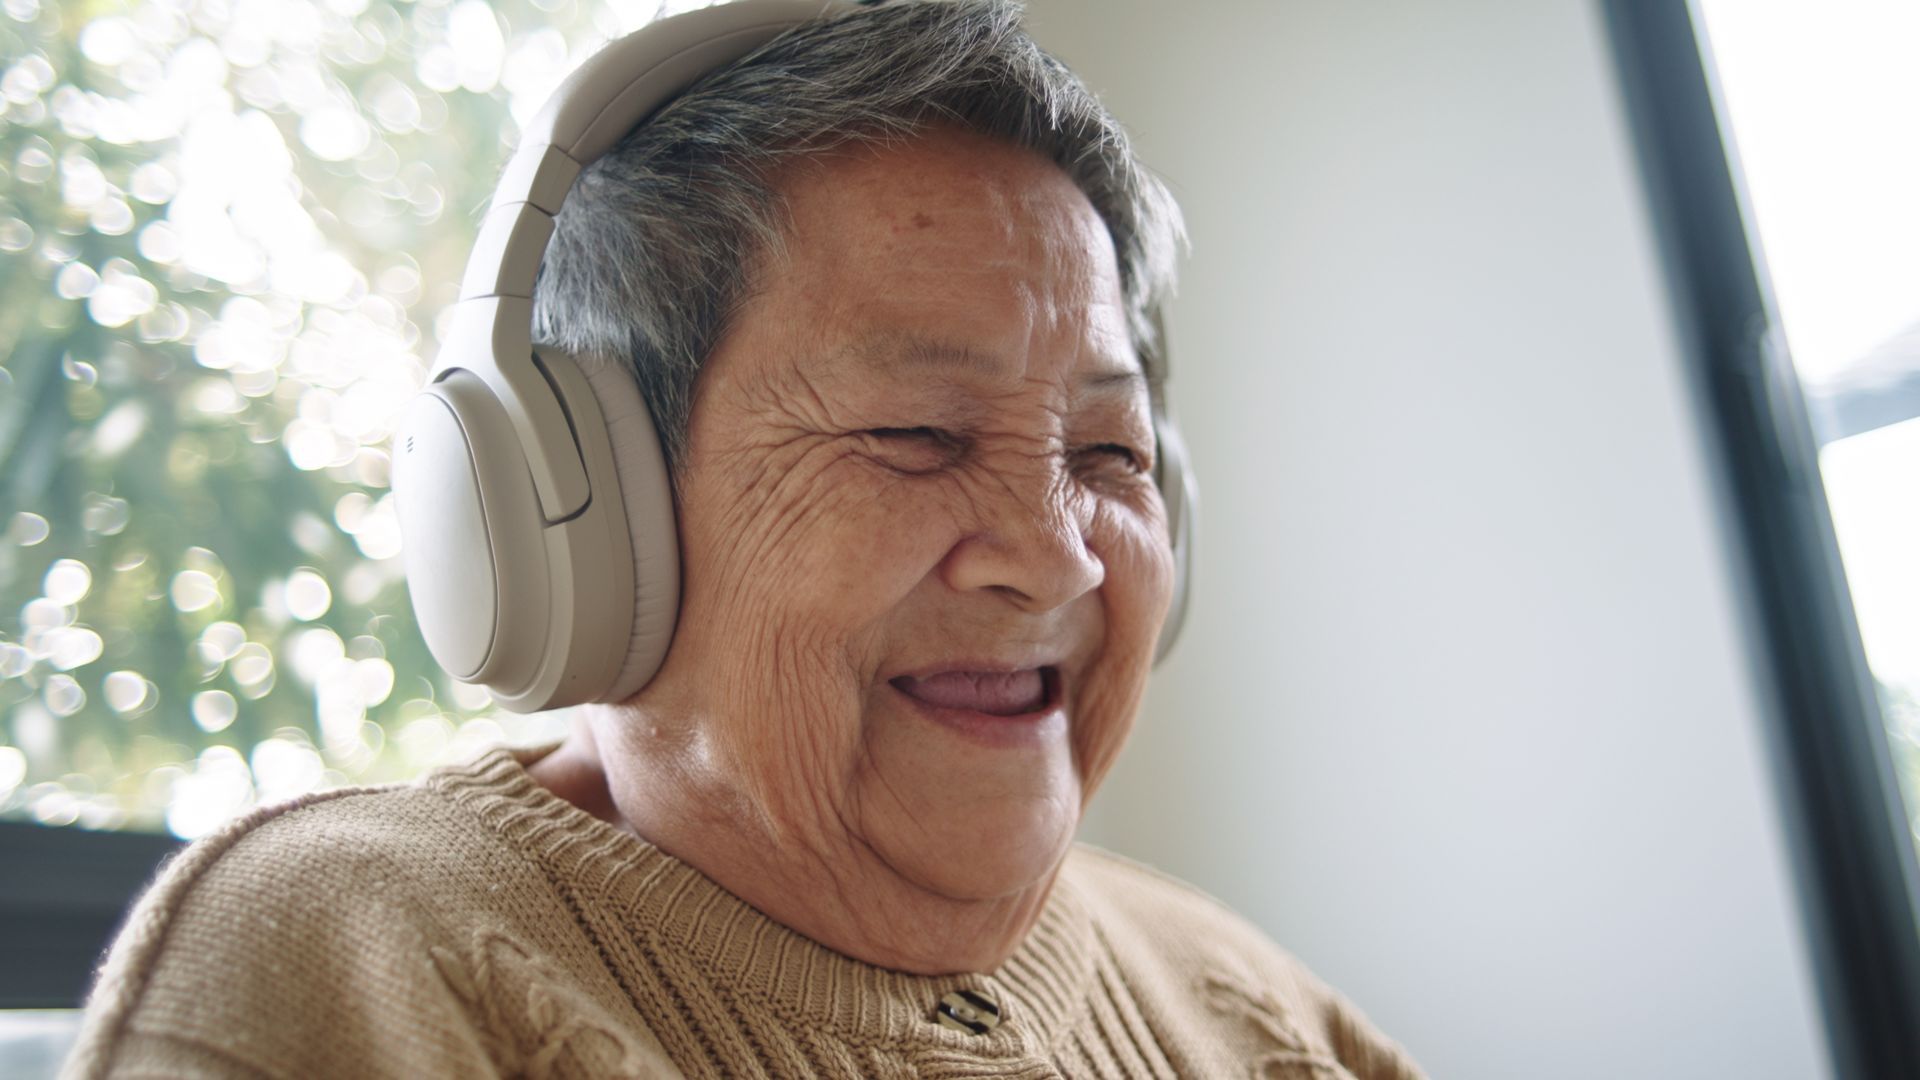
473 924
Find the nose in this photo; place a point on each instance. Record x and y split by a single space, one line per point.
1031 546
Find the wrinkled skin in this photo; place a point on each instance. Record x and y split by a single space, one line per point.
922 445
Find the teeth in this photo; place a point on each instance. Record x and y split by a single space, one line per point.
998 693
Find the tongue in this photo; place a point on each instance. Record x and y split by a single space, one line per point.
1006 694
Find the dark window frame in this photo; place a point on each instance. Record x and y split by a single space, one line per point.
63 895
1853 856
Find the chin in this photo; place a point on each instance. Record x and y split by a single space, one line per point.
965 813
990 857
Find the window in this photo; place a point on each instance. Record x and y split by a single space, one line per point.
1788 129
1823 103
230 229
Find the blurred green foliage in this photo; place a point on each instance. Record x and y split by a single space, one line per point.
227 228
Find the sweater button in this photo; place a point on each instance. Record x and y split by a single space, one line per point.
968 1010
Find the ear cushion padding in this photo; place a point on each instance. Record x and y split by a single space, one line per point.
1178 493
646 491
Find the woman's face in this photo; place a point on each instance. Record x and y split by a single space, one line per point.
925 562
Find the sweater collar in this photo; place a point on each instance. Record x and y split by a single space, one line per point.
625 884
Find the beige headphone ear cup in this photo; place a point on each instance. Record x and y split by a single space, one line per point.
535 609
1180 493
523 542
475 557
645 490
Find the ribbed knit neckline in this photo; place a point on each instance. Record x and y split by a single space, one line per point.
1041 989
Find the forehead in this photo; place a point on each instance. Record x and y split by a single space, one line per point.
947 248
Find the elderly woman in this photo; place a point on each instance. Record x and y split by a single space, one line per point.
886 288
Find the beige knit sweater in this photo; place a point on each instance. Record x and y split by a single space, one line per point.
473 924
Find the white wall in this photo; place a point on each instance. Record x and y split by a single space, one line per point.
1462 716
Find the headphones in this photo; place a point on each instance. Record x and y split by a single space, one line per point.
537 511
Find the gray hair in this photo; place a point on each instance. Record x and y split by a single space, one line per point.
653 246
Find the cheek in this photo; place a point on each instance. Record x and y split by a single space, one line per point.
1134 598
788 567
818 550
866 541
812 569
1133 544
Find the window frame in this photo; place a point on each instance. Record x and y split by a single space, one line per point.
1853 858
64 896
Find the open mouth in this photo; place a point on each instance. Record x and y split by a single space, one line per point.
996 693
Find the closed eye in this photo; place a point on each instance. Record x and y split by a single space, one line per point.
910 433
1119 453
916 450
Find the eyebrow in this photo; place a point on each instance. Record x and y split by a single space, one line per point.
889 353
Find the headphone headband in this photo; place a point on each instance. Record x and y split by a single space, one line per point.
608 95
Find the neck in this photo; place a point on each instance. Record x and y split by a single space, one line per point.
835 890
